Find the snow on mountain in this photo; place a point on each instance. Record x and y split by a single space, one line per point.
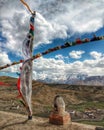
78 79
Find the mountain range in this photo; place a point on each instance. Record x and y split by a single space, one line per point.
91 80
79 79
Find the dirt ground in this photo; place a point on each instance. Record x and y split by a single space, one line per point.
11 121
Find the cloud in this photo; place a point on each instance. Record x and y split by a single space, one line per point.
59 57
96 55
57 70
46 31
76 54
81 16
54 19
49 69
15 27
4 59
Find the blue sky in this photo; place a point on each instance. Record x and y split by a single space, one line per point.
56 22
88 47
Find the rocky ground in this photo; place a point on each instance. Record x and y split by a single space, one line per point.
77 98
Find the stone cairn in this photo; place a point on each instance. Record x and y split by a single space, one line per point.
59 116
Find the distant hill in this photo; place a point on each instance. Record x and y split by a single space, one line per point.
44 92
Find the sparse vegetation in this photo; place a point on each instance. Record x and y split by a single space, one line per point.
77 98
85 105
98 123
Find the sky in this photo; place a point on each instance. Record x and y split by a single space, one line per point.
56 22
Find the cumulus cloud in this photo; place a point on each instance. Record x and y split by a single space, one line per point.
54 19
57 70
96 55
4 59
59 57
76 54
15 27
46 31
49 69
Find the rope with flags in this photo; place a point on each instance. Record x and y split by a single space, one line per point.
24 83
67 44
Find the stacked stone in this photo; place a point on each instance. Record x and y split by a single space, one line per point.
59 116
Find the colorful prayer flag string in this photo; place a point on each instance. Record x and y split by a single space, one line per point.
67 44
24 83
